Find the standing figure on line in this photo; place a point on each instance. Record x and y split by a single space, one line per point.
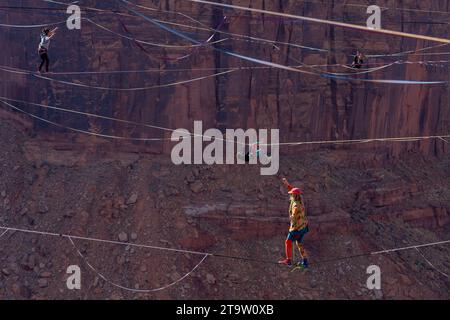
44 45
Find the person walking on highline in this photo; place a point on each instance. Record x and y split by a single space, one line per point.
299 225
358 60
46 35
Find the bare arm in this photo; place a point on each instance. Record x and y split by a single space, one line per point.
52 32
286 184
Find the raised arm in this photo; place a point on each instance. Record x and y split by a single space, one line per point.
52 32
286 184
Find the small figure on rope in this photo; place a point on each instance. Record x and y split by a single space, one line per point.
254 151
358 60
46 35
298 227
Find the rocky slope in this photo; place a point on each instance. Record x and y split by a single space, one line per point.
227 210
360 198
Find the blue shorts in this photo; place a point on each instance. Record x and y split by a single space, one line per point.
298 235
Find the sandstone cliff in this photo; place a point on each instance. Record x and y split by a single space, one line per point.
360 198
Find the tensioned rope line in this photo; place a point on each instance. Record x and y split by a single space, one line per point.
207 28
172 46
80 130
271 41
366 71
436 63
32 25
79 84
152 43
384 8
393 139
280 66
356 141
1 235
252 39
256 39
131 244
119 89
412 247
181 133
59 2
365 6
329 22
234 34
355 5
339 4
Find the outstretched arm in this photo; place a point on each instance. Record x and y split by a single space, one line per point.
286 184
52 32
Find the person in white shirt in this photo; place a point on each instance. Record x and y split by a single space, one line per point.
46 35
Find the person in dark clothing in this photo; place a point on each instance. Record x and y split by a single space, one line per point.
358 60
46 35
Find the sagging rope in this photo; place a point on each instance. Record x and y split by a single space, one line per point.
204 254
298 143
428 261
272 41
152 43
272 64
1 235
435 63
134 289
249 38
171 84
358 141
101 135
181 133
339 4
256 39
159 70
383 8
78 84
253 39
323 21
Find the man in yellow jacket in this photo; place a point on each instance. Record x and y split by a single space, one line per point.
298 227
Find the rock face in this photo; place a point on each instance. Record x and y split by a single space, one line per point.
359 198
303 107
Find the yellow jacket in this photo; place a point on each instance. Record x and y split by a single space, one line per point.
297 213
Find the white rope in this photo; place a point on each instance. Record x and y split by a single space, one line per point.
89 114
249 38
58 2
393 139
366 71
172 84
281 66
410 52
324 21
411 247
204 254
119 89
131 289
318 142
1 235
113 32
429 62
443 273
31 25
80 130
151 43
54 234
272 42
